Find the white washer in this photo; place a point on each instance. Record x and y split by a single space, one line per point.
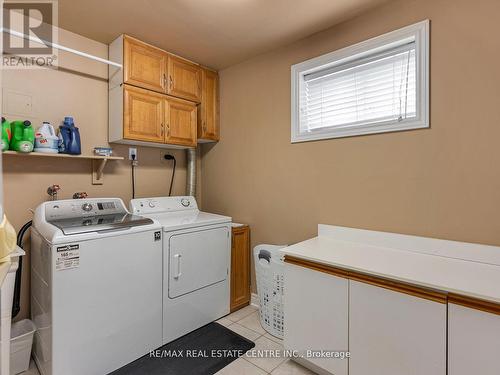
96 294
196 262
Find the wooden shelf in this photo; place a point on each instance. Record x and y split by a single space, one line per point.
43 154
98 162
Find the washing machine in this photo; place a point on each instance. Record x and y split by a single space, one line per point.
196 262
96 286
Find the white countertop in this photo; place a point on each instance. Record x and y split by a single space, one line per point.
465 277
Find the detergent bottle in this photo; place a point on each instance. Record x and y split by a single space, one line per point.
69 138
23 136
6 134
46 139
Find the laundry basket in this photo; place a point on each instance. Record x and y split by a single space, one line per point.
20 345
269 267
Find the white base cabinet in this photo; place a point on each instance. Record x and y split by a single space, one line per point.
473 341
388 327
316 313
392 333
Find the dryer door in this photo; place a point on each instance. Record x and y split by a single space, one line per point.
197 259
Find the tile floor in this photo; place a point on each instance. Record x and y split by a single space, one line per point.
245 322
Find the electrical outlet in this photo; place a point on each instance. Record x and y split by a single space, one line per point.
162 157
132 151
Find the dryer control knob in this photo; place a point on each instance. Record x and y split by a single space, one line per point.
152 204
185 202
87 207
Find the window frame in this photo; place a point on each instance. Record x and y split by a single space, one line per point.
418 31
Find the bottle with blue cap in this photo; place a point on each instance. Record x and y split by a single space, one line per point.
69 138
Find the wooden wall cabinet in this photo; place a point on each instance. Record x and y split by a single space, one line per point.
208 110
153 117
144 115
138 115
184 79
144 65
240 267
180 122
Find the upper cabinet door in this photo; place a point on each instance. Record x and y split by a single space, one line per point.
180 122
184 79
143 115
208 111
144 65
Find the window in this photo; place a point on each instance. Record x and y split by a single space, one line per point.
376 86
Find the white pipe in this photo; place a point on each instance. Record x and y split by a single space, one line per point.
62 48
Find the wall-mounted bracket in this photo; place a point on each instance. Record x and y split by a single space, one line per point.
97 171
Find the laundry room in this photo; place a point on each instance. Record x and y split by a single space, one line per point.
241 187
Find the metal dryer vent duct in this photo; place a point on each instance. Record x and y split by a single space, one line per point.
191 172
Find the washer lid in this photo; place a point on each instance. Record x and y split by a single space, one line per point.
100 223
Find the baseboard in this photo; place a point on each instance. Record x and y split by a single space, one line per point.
254 301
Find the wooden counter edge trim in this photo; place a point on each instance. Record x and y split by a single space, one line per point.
317 266
474 303
413 290
397 286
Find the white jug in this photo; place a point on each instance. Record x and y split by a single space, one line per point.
46 139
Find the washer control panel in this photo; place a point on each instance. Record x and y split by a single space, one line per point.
74 208
162 204
87 207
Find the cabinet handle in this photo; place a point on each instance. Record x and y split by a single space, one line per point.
204 126
171 82
162 129
168 129
164 81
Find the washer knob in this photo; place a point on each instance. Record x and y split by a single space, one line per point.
152 204
185 202
87 207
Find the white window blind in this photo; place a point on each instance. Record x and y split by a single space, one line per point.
378 89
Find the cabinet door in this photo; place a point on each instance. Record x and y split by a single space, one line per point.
144 65
184 79
143 115
473 341
208 110
180 121
316 316
392 333
240 267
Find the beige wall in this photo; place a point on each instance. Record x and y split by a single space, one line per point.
439 182
81 92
